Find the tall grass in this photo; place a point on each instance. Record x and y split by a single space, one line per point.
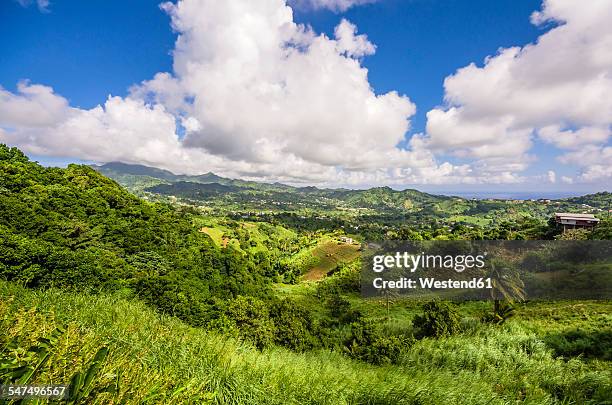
161 360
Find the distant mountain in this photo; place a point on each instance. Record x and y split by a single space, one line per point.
119 168
138 177
212 188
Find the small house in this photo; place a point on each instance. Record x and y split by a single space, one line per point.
572 221
346 239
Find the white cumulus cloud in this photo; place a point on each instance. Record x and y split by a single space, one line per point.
32 106
562 81
351 44
262 87
572 139
255 95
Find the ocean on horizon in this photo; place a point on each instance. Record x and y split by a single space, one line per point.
513 195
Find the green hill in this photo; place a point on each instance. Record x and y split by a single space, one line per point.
160 360
601 200
75 228
180 303
210 187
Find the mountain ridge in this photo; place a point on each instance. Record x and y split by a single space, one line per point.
142 178
210 177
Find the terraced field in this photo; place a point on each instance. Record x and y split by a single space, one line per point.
215 234
329 255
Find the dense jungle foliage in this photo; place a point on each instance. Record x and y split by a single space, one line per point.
200 301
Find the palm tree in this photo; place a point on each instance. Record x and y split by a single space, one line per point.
507 285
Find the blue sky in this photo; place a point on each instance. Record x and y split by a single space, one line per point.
85 50
88 50
420 42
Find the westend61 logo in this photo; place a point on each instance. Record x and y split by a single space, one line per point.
483 270
413 262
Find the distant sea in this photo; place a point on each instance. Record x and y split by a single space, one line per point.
511 195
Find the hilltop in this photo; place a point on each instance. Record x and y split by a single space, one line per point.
141 177
370 212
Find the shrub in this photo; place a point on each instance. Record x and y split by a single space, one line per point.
182 297
252 319
340 309
586 343
294 326
344 279
574 234
223 324
439 319
368 344
338 305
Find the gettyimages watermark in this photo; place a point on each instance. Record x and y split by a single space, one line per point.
482 270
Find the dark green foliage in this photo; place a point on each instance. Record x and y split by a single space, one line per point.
439 319
252 319
599 200
585 343
340 309
294 327
75 228
194 190
603 230
338 305
344 279
176 294
536 262
368 343
282 322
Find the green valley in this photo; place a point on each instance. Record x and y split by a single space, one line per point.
201 289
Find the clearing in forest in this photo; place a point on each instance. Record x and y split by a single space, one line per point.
329 255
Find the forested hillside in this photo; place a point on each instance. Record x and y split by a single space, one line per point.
75 228
376 213
205 302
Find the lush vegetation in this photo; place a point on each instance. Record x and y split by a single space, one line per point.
75 228
196 289
152 359
377 213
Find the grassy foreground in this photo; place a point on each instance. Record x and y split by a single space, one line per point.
159 359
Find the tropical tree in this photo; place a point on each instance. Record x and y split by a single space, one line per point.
507 288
